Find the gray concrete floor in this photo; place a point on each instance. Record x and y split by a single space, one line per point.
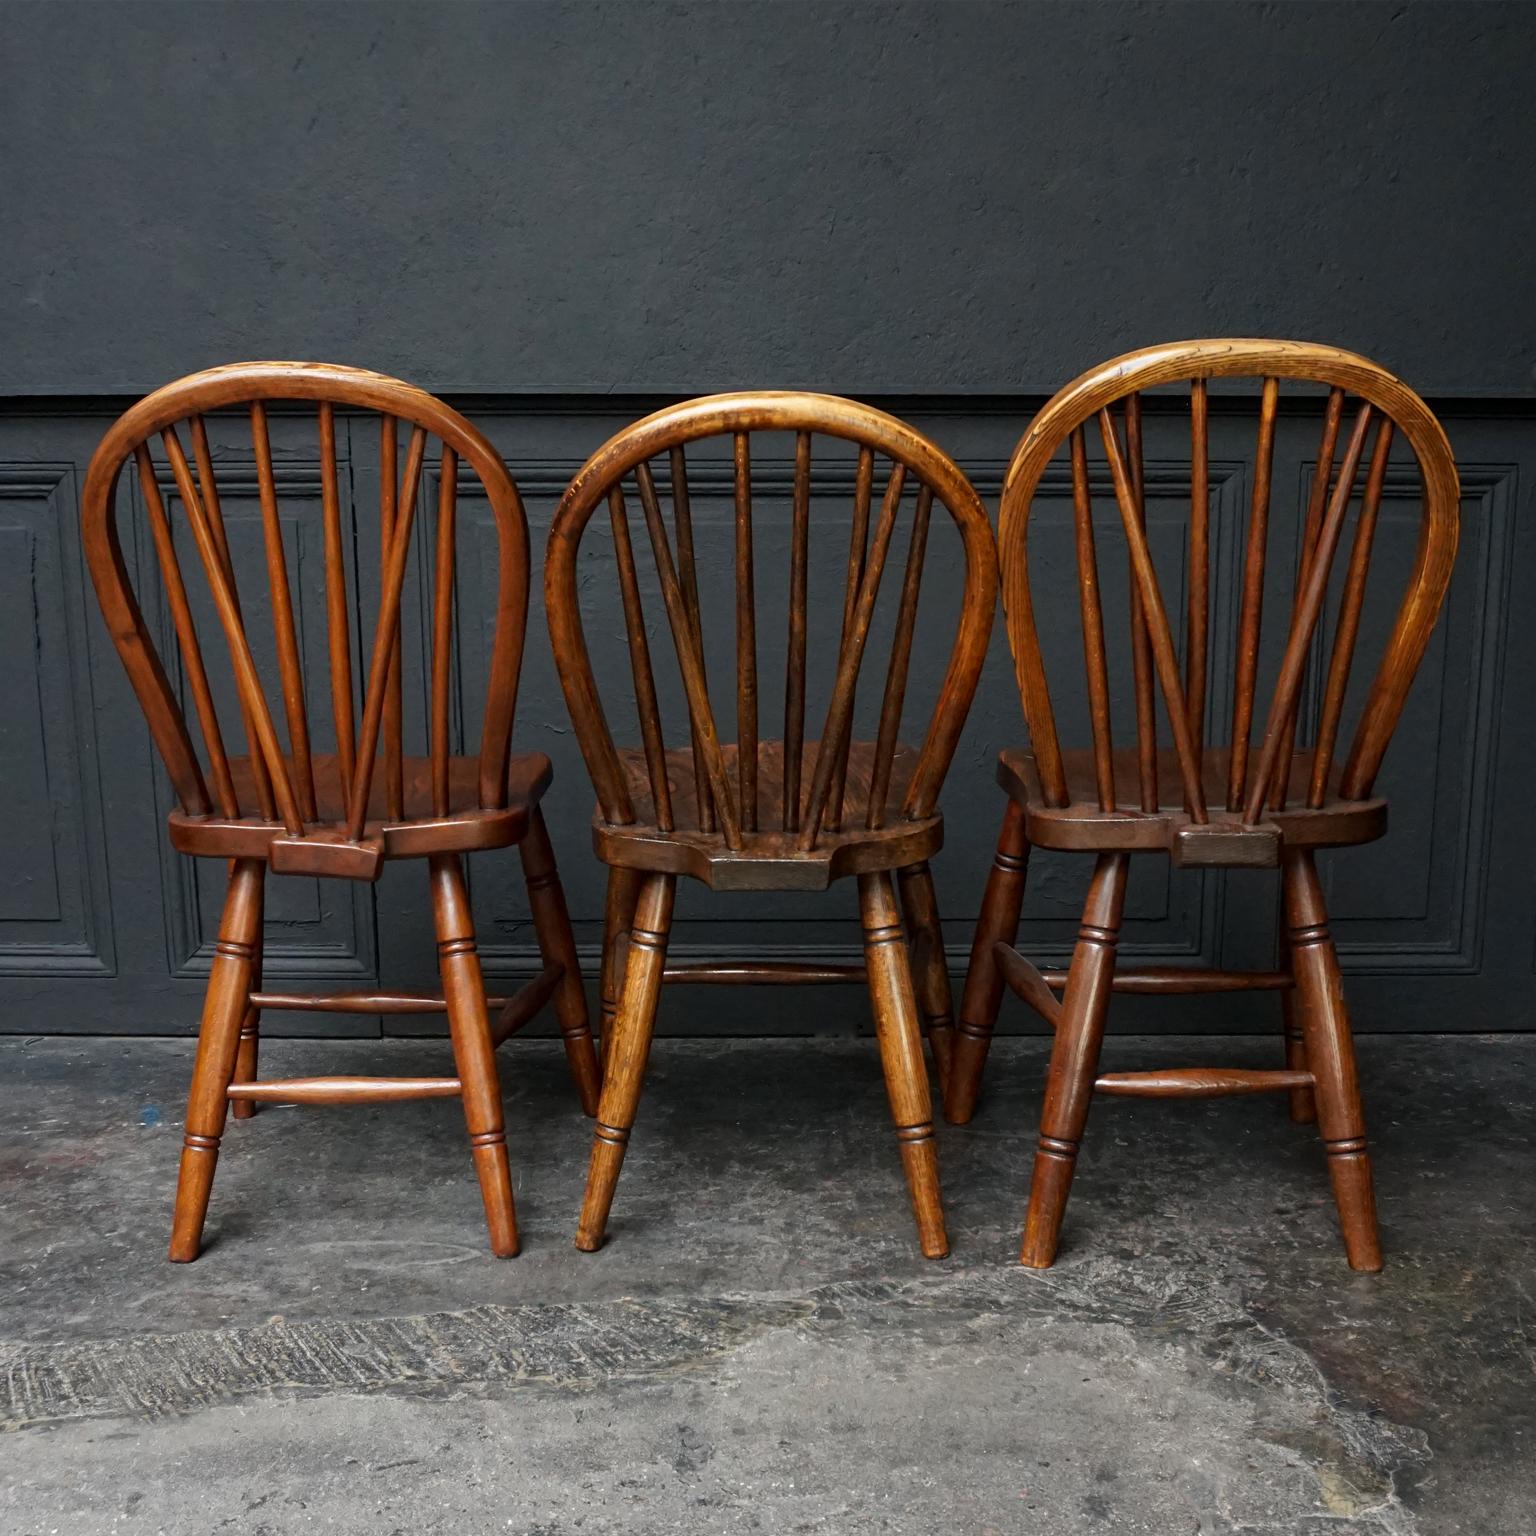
760 1346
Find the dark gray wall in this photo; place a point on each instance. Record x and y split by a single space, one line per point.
869 198
955 207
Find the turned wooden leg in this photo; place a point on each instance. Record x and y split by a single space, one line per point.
930 966
1074 1059
557 946
629 1047
1302 1100
618 915
248 1054
901 1054
470 1028
1331 1058
983 992
218 1040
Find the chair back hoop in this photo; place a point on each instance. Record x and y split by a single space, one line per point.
1254 782
283 776
811 794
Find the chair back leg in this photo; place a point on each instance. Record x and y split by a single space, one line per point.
627 1052
930 968
557 946
1075 1059
470 1028
225 1006
983 993
901 1054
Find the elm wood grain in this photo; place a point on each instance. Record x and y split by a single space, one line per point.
796 813
282 808
1266 805
1198 1082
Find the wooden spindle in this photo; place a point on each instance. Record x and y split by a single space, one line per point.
1251 613
247 678
1196 639
746 641
839 724
794 666
1310 607
338 613
1348 629
691 664
394 699
1092 605
901 657
1163 656
1141 641
1317 500
208 489
858 537
381 669
186 635
290 664
442 624
682 517
640 660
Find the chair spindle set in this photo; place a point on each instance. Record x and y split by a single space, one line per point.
338 797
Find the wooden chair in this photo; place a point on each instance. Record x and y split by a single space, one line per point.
1206 807
287 807
781 814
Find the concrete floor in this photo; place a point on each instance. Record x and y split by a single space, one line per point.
760 1347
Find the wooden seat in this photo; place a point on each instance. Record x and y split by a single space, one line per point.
464 825
1216 807
285 807
766 861
783 813
1224 842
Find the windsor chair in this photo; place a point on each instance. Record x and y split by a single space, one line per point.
771 814
1206 806
288 808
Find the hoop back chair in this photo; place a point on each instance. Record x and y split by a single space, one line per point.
1269 804
283 806
790 812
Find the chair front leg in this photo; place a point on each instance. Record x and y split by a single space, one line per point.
225 1005
930 967
627 1053
470 1028
1331 1058
557 946
983 993
901 1054
1074 1059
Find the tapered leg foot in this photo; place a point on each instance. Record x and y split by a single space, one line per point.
1331 1058
983 992
930 968
901 1054
470 1028
557 946
627 1053
225 1005
1074 1060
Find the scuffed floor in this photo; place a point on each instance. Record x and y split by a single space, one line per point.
760 1347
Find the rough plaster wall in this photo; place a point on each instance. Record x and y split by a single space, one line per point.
869 198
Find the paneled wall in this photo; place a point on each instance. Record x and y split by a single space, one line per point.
102 928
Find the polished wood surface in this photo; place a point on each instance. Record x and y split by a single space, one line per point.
1265 802
253 789
740 810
